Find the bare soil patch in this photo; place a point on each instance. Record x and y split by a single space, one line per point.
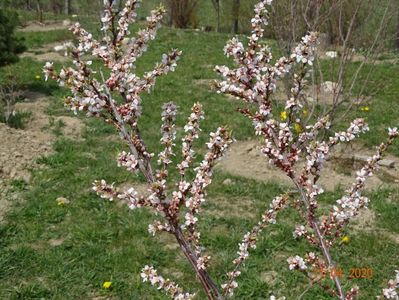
270 277
355 57
47 52
20 148
59 52
56 242
238 208
48 56
207 83
35 26
365 221
245 159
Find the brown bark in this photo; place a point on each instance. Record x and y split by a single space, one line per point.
67 7
182 12
236 14
216 5
397 32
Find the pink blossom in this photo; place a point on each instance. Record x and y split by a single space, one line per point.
296 262
128 160
148 273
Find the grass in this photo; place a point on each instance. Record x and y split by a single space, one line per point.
18 120
49 251
38 39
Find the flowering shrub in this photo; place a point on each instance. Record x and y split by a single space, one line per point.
292 141
284 143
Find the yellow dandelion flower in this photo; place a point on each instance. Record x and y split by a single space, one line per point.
305 112
345 239
38 77
283 115
298 127
365 108
107 284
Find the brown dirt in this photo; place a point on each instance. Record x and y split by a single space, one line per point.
20 148
47 53
6 196
356 57
56 242
47 26
270 277
245 159
362 58
72 127
44 57
366 222
141 188
238 207
207 83
167 240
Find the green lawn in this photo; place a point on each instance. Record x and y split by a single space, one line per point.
104 242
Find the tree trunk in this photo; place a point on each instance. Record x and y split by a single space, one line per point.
218 16
236 14
67 7
216 5
397 32
39 12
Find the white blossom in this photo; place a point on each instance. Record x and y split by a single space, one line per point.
296 262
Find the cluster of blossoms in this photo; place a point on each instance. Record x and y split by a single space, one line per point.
192 130
350 204
105 190
391 291
97 97
89 94
250 240
128 161
150 274
168 131
290 141
284 143
296 262
316 155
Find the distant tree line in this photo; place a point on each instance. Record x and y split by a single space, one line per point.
289 19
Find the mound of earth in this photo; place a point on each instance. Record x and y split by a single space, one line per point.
35 26
47 52
245 159
60 52
47 56
20 148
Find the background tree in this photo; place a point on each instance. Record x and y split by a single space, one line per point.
397 31
10 45
216 5
67 7
235 14
182 12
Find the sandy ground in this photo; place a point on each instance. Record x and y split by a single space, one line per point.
245 159
34 26
47 53
20 148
